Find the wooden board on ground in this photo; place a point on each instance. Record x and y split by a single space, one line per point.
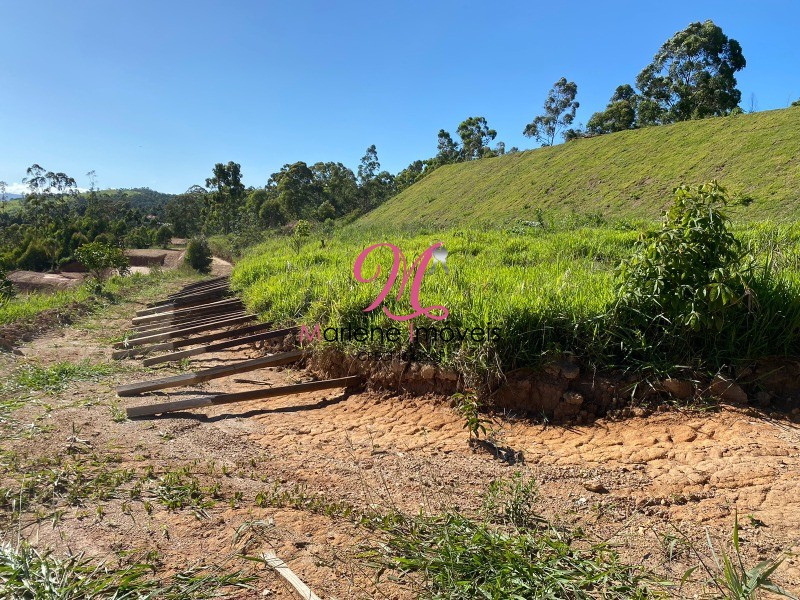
143 330
248 339
134 389
160 337
284 390
201 339
200 309
282 569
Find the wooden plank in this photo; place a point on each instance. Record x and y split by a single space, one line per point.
282 569
134 389
160 337
203 401
162 308
233 311
170 314
189 299
249 339
201 339
203 282
168 327
201 290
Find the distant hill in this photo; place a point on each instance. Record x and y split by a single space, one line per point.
622 175
11 196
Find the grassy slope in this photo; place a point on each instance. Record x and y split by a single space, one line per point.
622 175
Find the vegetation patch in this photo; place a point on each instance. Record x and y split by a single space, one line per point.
57 377
26 572
613 295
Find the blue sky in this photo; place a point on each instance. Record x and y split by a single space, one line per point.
154 93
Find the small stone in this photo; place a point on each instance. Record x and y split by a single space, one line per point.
796 411
448 374
595 486
570 371
427 372
573 398
727 390
680 388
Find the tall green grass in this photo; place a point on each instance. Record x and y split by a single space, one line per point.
547 290
534 286
24 307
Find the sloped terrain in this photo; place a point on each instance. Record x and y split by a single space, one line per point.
622 175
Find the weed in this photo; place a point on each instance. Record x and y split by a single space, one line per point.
510 502
732 579
28 573
57 377
457 557
468 406
180 489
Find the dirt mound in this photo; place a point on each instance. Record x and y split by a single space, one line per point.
31 281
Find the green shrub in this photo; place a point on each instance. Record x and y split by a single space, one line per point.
301 232
692 293
34 258
198 255
100 258
163 236
139 237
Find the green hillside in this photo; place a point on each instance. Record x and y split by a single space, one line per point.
622 175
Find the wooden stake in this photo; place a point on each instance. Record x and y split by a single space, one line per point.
181 323
201 290
134 389
159 337
201 309
201 339
280 567
203 401
189 299
249 339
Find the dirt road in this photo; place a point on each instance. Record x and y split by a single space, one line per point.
661 476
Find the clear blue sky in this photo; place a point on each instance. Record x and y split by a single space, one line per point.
153 93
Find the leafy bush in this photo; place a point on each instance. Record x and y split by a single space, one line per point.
139 237
198 255
35 258
688 283
163 236
99 258
301 232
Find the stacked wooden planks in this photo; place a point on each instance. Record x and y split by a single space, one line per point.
206 307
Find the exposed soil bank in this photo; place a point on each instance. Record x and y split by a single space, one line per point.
566 392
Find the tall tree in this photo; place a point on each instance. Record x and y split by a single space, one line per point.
410 175
619 115
185 211
369 166
559 113
692 76
475 138
227 194
298 193
375 185
447 150
338 185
